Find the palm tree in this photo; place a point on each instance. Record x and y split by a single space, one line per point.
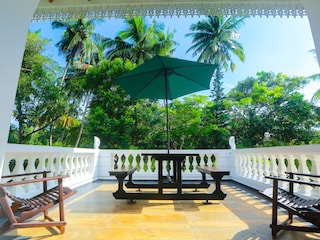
214 41
76 41
140 41
79 43
316 96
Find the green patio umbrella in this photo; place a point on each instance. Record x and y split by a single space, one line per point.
166 78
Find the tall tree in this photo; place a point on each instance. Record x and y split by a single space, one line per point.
76 41
272 103
214 41
109 116
39 101
140 41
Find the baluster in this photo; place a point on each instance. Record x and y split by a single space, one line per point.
249 166
282 166
245 165
291 165
78 165
201 162
19 169
66 165
51 164
260 172
83 165
240 165
187 165
266 168
254 167
59 168
281 170
273 165
72 165
8 161
28 164
42 163
315 160
303 168
88 165
30 167
292 168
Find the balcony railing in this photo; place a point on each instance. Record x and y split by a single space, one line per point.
253 164
247 166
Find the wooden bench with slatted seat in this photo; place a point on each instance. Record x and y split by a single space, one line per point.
306 208
18 212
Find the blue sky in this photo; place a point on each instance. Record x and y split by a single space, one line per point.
270 44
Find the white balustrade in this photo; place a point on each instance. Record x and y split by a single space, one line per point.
79 164
147 167
247 166
276 161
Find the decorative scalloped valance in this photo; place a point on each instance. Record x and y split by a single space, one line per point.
66 9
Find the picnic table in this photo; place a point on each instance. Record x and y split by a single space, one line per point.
173 182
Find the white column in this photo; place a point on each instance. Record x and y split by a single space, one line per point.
313 8
15 17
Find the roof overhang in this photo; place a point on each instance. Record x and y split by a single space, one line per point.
66 9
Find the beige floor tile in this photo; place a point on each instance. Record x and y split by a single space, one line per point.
94 214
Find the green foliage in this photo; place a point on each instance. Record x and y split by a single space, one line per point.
271 103
108 117
89 103
39 102
140 41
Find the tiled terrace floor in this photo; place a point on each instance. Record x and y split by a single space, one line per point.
94 214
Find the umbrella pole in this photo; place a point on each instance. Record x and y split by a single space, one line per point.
168 132
167 112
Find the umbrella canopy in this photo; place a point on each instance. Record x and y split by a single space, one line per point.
166 78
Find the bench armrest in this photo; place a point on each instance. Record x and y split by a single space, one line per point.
25 174
15 183
303 174
293 181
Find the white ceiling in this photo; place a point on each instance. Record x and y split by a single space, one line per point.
62 9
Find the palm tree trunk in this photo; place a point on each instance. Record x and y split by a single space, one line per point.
87 101
65 72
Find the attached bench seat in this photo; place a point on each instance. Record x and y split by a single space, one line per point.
16 210
212 171
121 174
217 175
303 207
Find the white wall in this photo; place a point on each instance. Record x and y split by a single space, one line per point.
15 16
313 8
